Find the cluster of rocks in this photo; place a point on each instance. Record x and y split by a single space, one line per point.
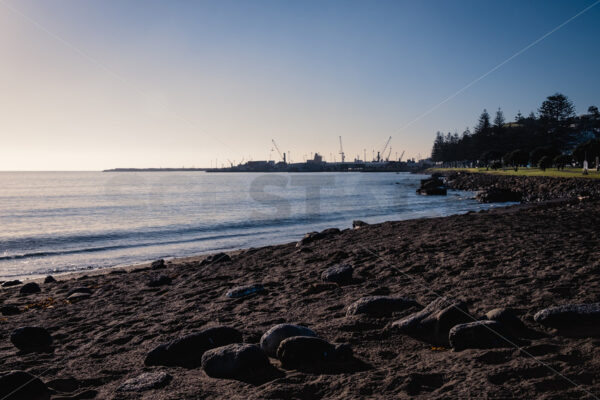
221 352
496 188
433 186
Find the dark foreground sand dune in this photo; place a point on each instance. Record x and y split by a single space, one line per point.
525 257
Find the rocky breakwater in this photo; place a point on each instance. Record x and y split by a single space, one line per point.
527 189
433 186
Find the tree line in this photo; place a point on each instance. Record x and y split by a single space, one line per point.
554 136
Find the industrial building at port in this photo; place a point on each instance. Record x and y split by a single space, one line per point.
316 164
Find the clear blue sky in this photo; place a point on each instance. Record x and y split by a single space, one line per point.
101 84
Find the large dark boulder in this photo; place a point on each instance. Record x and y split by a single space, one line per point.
271 339
235 361
301 351
433 186
577 320
338 273
433 323
187 351
479 335
497 195
32 339
30 288
379 306
21 385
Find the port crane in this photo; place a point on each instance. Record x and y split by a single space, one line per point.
282 155
342 151
385 147
401 155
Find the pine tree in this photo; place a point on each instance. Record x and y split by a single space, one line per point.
519 117
557 108
484 122
499 120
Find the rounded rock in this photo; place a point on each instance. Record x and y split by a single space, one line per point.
146 381
31 339
78 297
271 339
578 320
298 351
234 361
21 385
49 279
9 309
81 289
379 305
30 288
478 335
187 351
338 274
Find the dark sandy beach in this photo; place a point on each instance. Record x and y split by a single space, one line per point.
525 257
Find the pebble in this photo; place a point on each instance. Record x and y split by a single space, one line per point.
243 291
146 381
32 339
379 305
187 351
30 288
49 279
21 385
271 339
338 274
235 361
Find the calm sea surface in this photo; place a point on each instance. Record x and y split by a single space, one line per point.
55 222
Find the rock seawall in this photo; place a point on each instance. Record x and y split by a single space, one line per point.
531 188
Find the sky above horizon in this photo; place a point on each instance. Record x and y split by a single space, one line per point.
91 85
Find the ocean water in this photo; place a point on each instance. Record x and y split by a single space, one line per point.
52 222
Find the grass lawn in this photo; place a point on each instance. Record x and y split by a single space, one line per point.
569 172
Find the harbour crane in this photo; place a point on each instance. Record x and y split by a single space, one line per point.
282 155
342 151
385 147
401 155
